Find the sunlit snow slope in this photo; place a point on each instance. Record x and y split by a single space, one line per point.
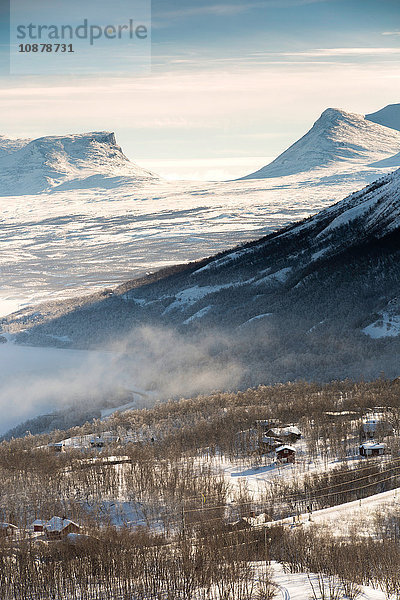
71 161
339 140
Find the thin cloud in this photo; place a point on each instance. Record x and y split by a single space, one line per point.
217 99
324 52
230 9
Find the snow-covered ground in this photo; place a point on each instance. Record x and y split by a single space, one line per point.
63 243
255 477
357 516
387 326
296 586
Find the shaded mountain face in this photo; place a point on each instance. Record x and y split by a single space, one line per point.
337 140
389 116
297 303
67 162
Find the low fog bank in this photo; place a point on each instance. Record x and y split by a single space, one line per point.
149 364
161 363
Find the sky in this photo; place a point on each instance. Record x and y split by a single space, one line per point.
231 83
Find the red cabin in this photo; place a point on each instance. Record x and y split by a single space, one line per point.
286 454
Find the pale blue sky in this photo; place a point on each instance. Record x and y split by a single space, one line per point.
230 79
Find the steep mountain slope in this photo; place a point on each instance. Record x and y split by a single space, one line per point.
81 160
338 140
296 303
389 116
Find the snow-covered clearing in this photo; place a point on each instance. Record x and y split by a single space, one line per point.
255 477
296 586
387 326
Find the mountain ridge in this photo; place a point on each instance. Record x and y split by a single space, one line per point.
337 139
316 299
9 145
54 162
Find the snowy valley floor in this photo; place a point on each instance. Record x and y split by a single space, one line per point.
66 243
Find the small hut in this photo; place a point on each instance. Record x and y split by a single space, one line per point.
372 448
286 454
59 527
38 525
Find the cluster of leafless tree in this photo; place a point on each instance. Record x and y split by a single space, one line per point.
213 564
168 471
341 567
172 483
122 566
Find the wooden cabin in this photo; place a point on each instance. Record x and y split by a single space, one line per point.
372 448
285 454
38 525
58 527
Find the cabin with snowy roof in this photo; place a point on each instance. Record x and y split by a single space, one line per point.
59 527
285 454
38 525
7 530
288 434
372 448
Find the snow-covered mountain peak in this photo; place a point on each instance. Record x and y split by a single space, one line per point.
334 115
78 160
336 122
338 140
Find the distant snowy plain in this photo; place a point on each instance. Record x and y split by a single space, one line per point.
64 243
